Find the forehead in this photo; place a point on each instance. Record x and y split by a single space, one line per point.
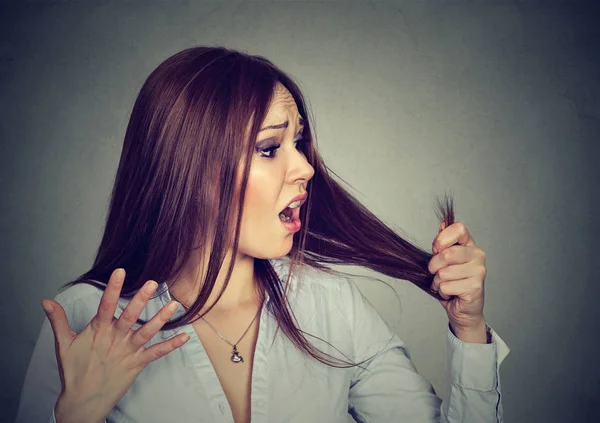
282 106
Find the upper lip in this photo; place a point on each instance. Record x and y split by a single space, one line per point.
301 197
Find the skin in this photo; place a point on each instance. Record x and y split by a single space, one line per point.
272 183
460 272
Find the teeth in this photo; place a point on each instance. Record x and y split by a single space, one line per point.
294 204
284 218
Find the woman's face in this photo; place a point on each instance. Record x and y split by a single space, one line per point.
279 172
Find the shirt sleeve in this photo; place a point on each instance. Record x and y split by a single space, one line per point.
388 388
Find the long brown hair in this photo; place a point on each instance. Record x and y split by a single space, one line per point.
177 176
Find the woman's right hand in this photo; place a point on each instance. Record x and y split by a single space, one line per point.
98 365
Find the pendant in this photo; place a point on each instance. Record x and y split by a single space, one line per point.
236 357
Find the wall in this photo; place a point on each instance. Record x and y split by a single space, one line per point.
497 102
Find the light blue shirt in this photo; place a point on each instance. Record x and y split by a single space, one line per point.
287 386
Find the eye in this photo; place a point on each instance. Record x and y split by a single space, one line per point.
271 150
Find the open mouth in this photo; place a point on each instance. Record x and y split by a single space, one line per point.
288 215
290 219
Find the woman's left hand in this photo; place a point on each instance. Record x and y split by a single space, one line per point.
459 274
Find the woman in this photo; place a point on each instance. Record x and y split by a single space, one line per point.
221 195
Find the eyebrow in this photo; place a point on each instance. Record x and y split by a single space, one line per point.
282 125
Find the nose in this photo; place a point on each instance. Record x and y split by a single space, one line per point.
300 169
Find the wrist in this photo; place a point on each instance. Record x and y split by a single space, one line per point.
70 410
477 333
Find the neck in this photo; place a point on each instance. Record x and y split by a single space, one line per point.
242 289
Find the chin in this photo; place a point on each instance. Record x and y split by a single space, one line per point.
285 249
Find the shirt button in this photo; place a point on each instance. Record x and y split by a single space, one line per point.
222 408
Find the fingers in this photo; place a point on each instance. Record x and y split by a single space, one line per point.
437 286
63 334
467 288
434 247
156 351
133 310
146 332
456 254
110 298
457 233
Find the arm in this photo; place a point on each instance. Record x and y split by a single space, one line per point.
388 388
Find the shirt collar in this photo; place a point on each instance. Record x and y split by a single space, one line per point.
280 265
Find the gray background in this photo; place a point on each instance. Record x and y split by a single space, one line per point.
497 102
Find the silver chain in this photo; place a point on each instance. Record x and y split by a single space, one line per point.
215 329
225 339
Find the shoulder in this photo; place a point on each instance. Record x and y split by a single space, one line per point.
337 288
332 305
319 302
77 293
313 290
308 279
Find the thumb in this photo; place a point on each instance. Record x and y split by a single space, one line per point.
442 226
63 334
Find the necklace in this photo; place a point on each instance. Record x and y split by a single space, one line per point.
235 355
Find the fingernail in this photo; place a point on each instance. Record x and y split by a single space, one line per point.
47 306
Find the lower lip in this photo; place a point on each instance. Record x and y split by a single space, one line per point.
293 226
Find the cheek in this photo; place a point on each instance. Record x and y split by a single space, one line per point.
261 233
260 202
